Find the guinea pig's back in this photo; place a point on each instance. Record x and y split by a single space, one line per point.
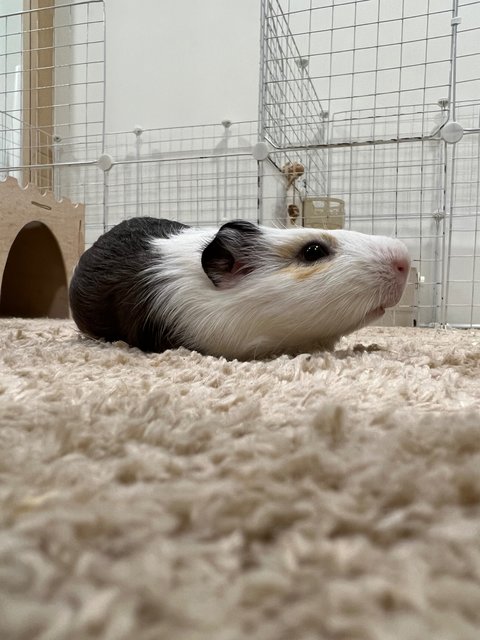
106 291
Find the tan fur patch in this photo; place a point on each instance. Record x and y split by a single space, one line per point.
303 272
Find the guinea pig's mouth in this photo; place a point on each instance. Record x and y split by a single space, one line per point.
374 314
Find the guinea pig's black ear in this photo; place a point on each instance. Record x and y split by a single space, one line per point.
231 253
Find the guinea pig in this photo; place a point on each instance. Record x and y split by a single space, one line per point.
242 291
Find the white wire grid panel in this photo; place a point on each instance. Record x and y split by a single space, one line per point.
363 54
10 91
80 69
52 76
200 175
385 75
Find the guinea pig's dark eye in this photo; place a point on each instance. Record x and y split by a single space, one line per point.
314 251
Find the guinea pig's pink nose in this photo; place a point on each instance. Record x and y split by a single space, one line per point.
402 265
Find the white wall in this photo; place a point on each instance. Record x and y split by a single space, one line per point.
181 63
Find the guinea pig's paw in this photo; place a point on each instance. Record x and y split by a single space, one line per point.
355 350
369 348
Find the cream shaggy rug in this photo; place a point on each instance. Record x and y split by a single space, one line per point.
181 497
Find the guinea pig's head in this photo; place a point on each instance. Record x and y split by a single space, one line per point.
318 284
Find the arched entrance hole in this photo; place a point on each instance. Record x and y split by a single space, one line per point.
34 283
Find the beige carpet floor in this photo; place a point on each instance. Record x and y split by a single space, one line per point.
180 497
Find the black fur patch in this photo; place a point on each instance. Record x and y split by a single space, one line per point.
107 293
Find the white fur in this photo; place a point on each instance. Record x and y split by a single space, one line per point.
270 310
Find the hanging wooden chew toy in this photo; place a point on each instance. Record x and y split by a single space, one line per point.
293 171
293 213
